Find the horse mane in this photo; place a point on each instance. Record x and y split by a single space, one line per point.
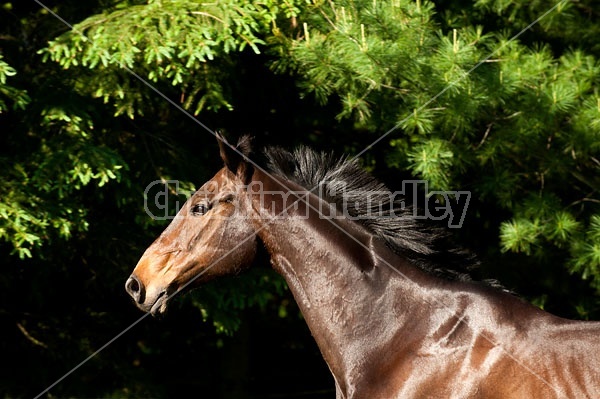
341 181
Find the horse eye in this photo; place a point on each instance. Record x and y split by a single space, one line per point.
199 209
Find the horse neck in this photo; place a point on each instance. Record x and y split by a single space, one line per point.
340 275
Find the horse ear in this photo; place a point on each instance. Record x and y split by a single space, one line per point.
236 158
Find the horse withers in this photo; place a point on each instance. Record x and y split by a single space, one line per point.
393 313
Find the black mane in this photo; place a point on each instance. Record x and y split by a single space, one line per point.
342 181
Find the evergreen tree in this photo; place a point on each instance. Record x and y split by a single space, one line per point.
468 107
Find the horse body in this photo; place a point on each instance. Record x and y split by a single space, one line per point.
386 328
399 332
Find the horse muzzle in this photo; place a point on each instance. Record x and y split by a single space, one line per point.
153 301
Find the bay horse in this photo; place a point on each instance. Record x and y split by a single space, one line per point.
391 313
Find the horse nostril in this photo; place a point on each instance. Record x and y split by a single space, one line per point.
135 288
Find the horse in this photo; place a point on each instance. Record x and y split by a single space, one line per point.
392 311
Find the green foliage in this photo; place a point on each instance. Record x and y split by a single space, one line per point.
431 160
539 222
519 235
169 41
39 192
586 253
18 98
469 107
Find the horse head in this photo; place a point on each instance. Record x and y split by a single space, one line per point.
210 236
